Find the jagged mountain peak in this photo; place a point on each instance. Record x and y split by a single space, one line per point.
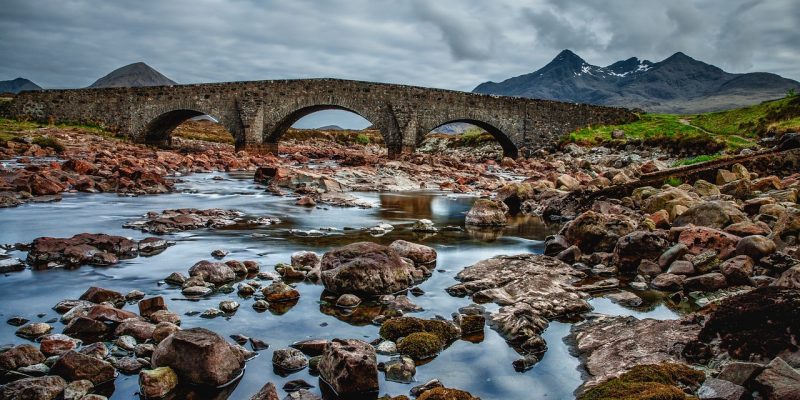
678 83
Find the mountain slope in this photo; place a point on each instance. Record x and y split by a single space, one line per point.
678 84
133 75
17 85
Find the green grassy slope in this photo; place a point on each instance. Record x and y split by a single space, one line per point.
710 133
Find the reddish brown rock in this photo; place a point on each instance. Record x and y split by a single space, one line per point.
74 366
200 357
20 356
349 367
700 239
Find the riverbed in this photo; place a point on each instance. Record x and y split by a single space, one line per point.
483 367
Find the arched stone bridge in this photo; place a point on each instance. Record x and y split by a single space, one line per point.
258 113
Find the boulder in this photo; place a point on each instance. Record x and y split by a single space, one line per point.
289 360
718 389
42 388
19 356
419 254
779 381
157 383
305 260
611 345
364 269
74 366
637 246
200 357
267 392
280 292
349 367
487 213
672 254
213 272
99 295
738 270
755 246
706 282
699 239
712 214
593 232
668 282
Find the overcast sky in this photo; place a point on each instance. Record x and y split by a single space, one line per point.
440 43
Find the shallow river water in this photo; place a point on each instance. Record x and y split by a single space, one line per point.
482 368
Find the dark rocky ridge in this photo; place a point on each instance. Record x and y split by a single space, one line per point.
678 84
133 75
18 85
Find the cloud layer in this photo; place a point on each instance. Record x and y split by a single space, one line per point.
454 44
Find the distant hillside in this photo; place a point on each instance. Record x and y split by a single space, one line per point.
17 85
133 75
678 84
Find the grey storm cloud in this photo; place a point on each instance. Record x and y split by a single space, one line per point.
453 44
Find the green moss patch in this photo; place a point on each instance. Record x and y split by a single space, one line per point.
647 382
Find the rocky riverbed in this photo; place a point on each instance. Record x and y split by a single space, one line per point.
330 272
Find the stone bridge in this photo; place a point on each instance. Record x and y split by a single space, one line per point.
258 113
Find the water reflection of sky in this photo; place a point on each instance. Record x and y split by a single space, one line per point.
483 368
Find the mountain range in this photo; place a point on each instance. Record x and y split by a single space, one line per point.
133 75
678 84
17 85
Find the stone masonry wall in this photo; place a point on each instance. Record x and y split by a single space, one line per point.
258 113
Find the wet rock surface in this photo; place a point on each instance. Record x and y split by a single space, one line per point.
531 290
612 345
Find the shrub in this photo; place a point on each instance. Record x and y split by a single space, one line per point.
673 181
362 139
48 141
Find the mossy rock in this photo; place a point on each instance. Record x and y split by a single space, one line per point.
396 328
441 393
420 345
647 382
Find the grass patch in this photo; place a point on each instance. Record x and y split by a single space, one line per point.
12 129
697 159
728 131
673 181
474 136
754 121
48 142
207 131
362 139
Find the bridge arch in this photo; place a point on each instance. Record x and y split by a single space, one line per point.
509 148
278 121
155 126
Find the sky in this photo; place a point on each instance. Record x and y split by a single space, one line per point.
451 44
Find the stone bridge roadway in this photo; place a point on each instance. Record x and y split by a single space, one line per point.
258 113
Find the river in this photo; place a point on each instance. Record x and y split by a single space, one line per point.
482 368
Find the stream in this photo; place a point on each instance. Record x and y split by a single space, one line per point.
483 368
